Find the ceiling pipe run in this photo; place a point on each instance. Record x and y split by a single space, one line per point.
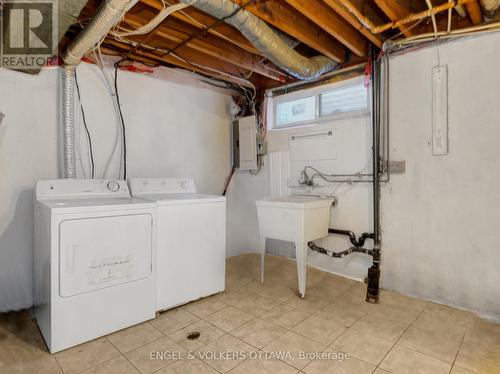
377 29
263 37
107 16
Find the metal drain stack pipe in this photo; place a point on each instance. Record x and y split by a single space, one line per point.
373 279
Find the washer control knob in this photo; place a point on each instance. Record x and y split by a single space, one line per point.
184 185
113 186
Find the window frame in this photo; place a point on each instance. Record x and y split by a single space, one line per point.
317 92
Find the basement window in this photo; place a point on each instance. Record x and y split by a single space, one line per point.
334 101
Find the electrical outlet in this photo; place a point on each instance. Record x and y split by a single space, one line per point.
397 167
261 147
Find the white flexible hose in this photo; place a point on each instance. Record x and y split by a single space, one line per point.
154 23
118 132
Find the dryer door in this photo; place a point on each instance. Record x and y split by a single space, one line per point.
101 252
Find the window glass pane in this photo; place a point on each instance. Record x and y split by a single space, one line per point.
296 110
344 99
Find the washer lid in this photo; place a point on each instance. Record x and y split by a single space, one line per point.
95 204
81 188
183 198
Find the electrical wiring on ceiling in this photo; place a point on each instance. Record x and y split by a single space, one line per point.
166 51
222 36
119 32
215 24
89 138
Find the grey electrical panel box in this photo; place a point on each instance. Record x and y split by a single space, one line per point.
397 167
247 140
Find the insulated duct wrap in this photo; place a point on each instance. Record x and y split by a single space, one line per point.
68 120
490 6
107 15
266 39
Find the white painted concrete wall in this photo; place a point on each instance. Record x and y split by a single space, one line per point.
440 219
172 130
242 224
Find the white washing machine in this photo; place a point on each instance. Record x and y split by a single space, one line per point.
94 260
191 241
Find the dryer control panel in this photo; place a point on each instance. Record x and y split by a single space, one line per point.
146 186
67 188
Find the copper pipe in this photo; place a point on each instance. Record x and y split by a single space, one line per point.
403 21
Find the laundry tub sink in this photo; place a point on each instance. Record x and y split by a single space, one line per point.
297 219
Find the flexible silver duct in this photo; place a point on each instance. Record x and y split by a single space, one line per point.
490 7
266 39
68 120
107 15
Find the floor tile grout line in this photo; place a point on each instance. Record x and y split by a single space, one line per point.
458 352
397 340
57 362
33 320
123 354
426 309
338 337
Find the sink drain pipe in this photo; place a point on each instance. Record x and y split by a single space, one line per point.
316 248
352 237
357 244
373 278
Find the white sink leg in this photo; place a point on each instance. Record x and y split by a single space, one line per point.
301 254
262 257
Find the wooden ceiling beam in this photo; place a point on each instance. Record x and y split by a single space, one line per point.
395 11
202 20
323 16
475 13
349 17
290 21
171 60
229 53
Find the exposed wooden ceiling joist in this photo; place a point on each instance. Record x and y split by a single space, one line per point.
201 20
475 13
171 60
395 11
196 41
331 22
230 53
291 22
349 17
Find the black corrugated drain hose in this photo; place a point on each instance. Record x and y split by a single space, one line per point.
314 247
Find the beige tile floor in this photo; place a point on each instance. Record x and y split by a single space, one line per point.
400 335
